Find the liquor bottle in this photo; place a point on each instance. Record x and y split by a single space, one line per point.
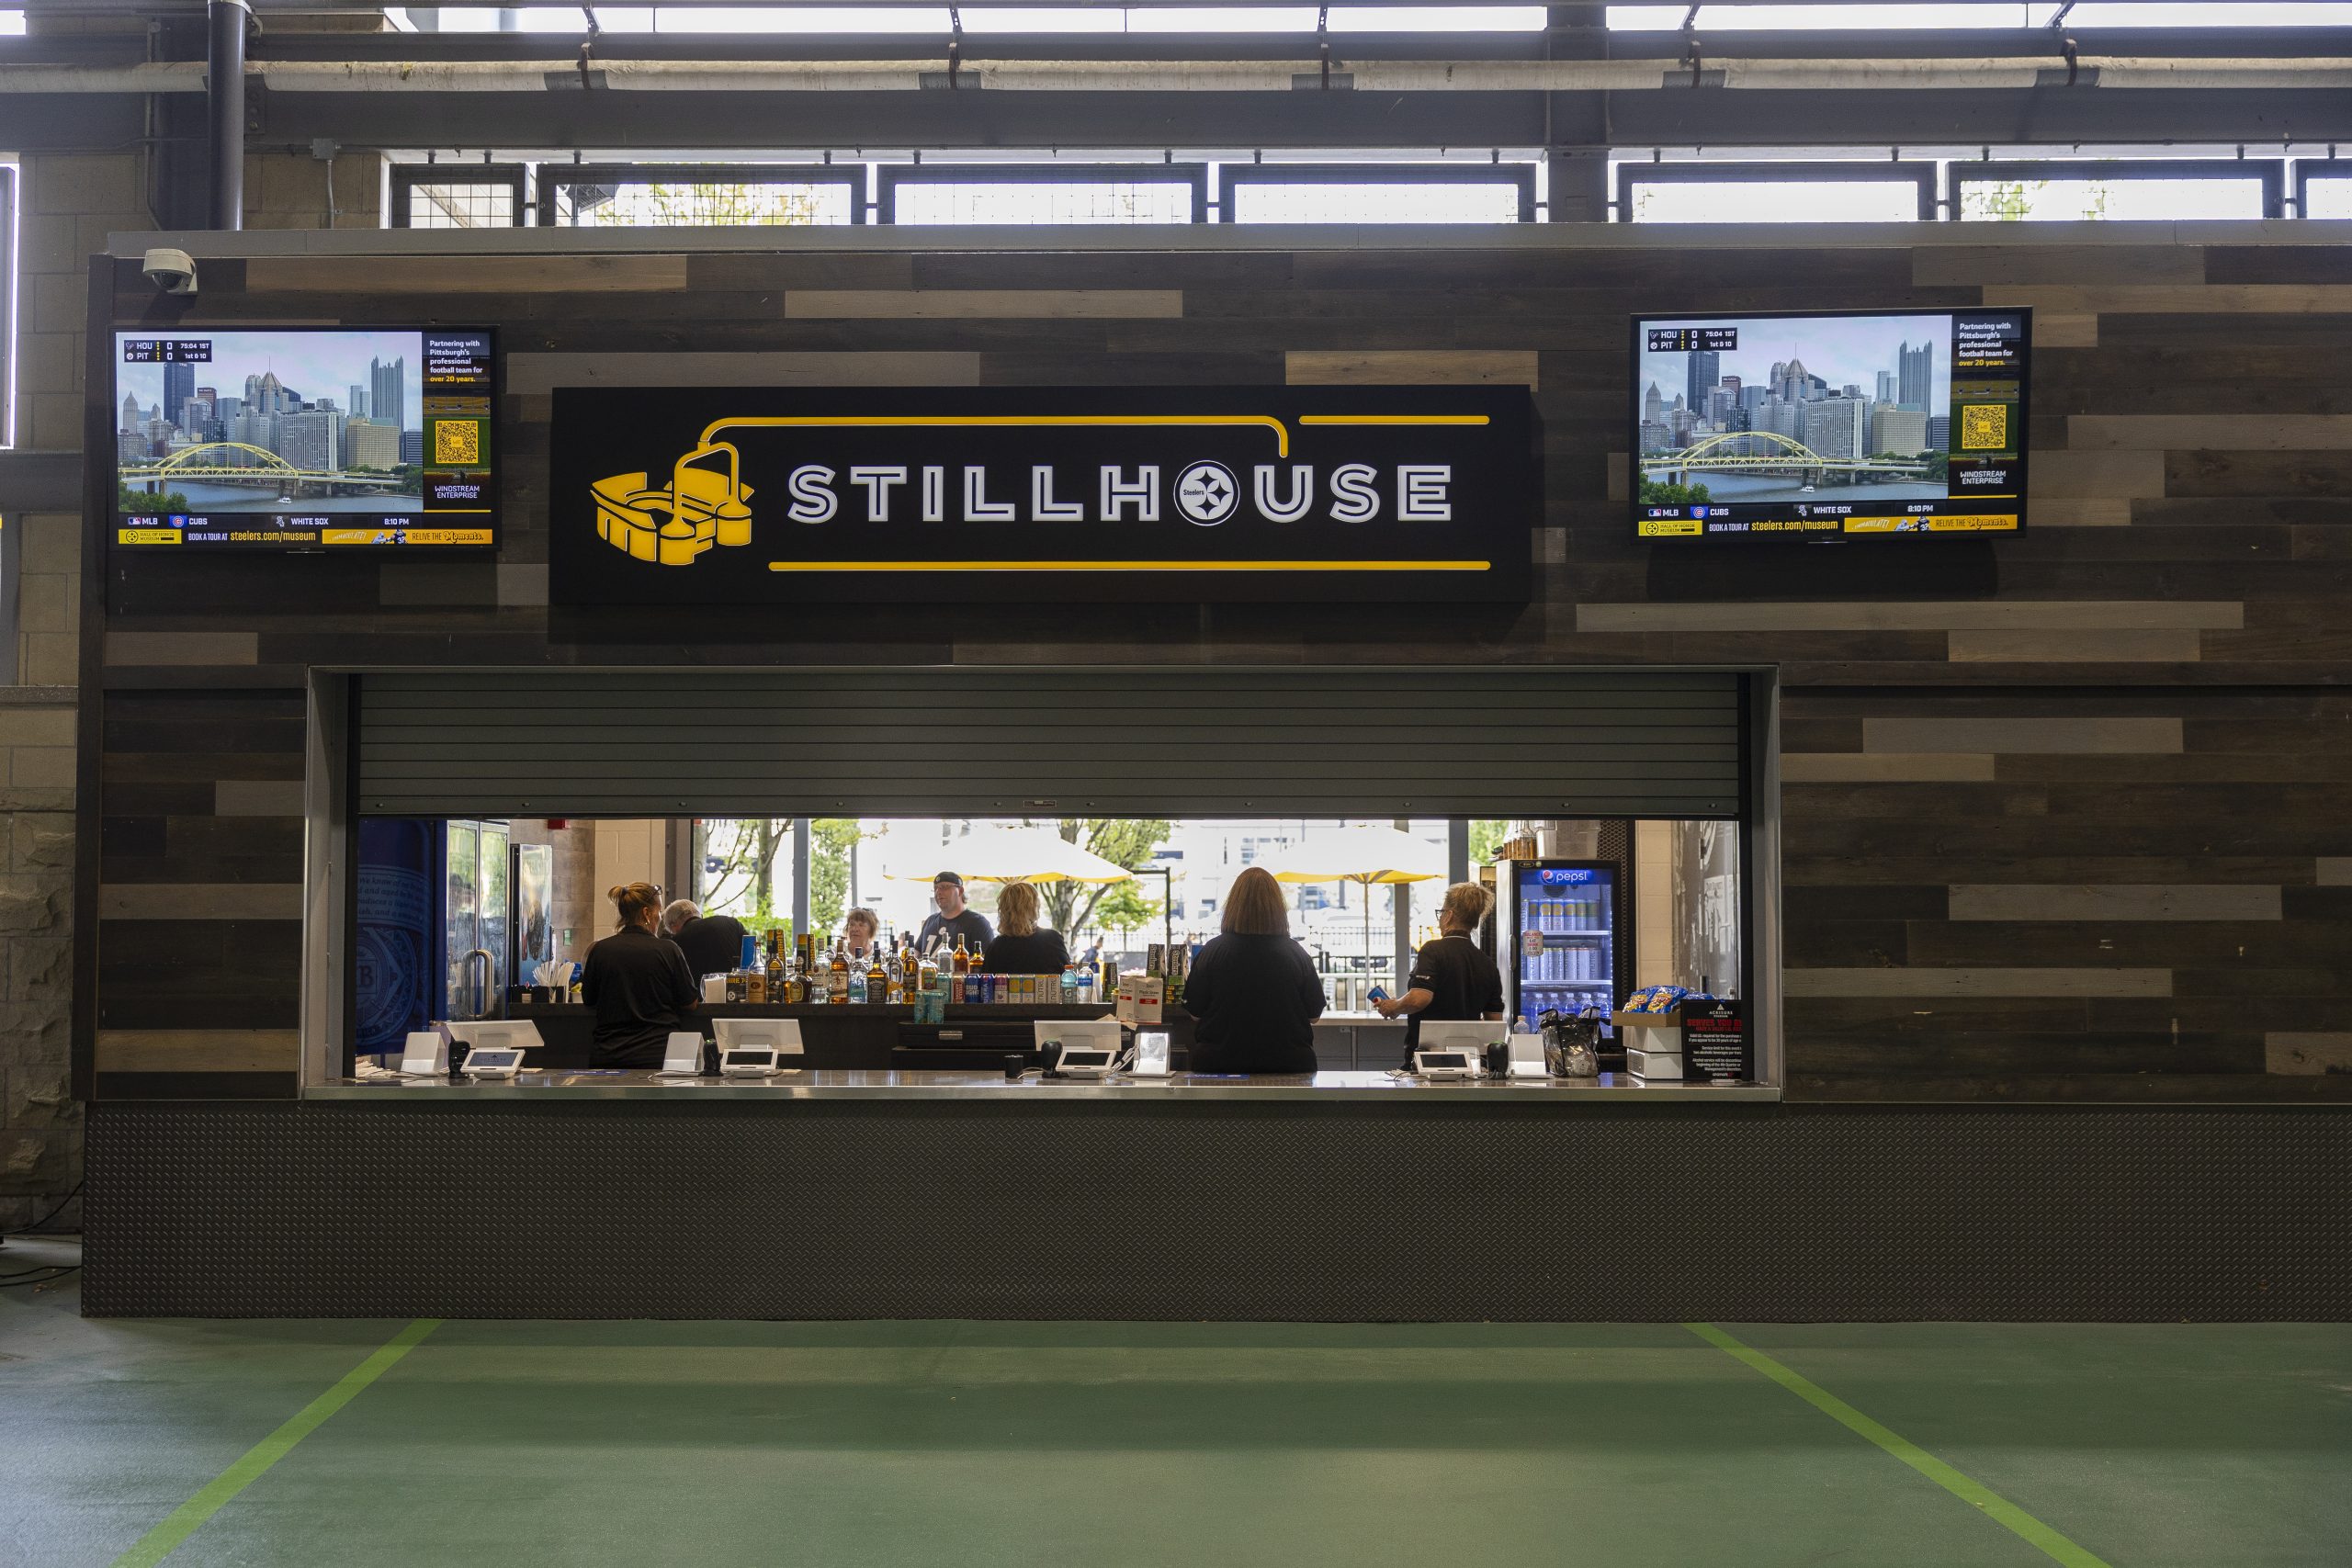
857 982
817 980
909 968
755 984
877 977
841 974
777 989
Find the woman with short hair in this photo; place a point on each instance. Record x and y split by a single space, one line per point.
1453 980
1253 991
861 943
1021 945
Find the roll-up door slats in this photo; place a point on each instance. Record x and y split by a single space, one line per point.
1096 742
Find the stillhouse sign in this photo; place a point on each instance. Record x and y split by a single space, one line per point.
1275 493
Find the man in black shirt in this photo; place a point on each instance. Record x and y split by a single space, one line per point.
1451 978
955 918
713 944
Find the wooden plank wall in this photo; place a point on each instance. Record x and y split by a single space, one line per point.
2066 817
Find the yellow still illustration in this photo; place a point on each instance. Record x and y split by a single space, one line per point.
703 506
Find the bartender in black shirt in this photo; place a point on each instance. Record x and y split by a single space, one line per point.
637 984
955 918
1451 978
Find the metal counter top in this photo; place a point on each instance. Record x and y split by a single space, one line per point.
814 1084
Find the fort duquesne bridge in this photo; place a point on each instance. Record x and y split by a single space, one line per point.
1714 455
241 463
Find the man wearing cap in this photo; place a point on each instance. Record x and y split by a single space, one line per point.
955 919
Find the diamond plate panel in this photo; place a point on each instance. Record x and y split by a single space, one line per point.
862 1209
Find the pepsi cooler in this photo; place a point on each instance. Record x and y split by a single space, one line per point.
1567 937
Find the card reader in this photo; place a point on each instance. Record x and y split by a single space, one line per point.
1087 1062
1441 1065
747 1061
494 1062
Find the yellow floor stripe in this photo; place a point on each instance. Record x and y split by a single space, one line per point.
1968 1490
165 1537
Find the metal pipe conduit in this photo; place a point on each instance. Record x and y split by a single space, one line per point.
1187 76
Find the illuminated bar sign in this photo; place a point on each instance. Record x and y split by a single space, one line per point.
1274 493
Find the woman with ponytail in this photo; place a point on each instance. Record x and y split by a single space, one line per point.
636 982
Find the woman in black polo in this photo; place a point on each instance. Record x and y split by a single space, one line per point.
1451 978
637 984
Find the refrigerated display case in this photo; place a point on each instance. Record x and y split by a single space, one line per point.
1568 927
474 920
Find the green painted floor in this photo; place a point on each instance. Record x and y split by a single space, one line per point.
889 1444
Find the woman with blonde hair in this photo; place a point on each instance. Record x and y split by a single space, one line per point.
1021 945
1253 990
1452 977
636 982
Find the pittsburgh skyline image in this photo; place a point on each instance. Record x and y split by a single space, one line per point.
1789 410
269 421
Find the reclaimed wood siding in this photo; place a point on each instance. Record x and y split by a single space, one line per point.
2137 715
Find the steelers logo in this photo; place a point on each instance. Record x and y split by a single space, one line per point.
1207 494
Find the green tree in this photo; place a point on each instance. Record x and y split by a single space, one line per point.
1658 493
132 501
719 205
1123 841
1123 908
746 850
1486 834
831 839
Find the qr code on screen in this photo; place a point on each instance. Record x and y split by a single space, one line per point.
457 441
1984 428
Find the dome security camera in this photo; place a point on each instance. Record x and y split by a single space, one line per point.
172 271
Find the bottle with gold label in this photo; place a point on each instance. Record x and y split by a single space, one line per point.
841 975
776 992
909 968
755 984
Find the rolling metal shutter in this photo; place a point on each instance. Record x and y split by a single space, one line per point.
1355 743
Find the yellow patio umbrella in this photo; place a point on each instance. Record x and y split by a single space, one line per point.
1363 854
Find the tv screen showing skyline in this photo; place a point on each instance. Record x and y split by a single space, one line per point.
281 437
1862 424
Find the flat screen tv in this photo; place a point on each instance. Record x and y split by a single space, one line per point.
1829 426
299 438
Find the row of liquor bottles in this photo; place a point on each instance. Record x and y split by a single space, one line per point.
893 973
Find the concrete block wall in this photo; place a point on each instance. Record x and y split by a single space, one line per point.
40 1123
69 204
